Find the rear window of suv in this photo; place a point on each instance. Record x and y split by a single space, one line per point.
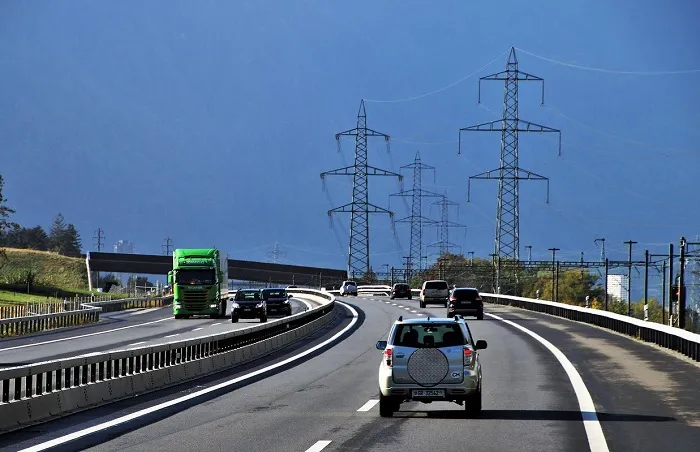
271 293
438 285
465 294
429 335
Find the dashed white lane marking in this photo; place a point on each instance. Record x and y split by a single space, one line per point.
173 335
319 446
145 311
393 304
419 314
197 329
217 323
369 405
594 432
414 311
136 343
35 344
408 309
152 409
387 302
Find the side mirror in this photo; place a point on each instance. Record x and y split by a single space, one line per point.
381 345
480 345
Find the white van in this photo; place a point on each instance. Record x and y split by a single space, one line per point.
435 291
348 288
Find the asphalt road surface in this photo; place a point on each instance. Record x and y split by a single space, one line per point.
118 331
646 398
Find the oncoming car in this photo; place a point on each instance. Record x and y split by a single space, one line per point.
277 301
248 304
428 360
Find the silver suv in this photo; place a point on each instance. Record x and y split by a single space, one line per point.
428 360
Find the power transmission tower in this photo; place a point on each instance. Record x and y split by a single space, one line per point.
360 207
99 238
509 174
276 254
167 245
416 219
443 244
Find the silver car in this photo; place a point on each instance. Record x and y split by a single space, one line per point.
428 360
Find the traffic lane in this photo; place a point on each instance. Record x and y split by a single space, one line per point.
527 399
647 397
40 434
143 334
528 402
107 321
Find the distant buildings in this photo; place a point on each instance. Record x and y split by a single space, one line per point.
125 246
617 287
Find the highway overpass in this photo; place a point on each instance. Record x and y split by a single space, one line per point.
237 269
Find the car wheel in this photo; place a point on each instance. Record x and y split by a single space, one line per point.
472 406
422 304
234 319
409 297
391 297
386 406
263 319
445 303
480 315
178 316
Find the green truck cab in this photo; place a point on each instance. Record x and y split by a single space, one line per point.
199 281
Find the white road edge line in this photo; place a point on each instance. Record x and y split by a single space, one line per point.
173 335
319 446
594 432
83 335
130 417
147 310
369 405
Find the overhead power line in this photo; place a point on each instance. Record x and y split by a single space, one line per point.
609 71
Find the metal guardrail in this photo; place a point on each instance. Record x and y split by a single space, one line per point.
40 392
673 338
87 313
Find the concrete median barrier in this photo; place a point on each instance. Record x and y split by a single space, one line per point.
41 392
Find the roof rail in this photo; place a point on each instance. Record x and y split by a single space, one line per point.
457 317
400 318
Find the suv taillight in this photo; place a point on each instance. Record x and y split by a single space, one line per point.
478 298
388 357
468 356
453 298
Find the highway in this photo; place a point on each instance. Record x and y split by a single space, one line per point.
646 398
118 331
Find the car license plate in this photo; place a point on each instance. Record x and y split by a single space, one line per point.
247 309
428 393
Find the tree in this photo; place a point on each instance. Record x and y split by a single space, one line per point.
368 278
57 235
72 240
5 211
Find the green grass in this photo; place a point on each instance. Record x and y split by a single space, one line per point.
51 270
7 297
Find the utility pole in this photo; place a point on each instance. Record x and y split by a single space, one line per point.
509 174
276 254
646 285
167 246
681 284
471 258
416 219
444 245
554 270
670 283
99 238
663 293
407 268
629 277
602 249
529 252
360 207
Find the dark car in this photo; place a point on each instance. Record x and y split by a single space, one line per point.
465 301
400 290
248 304
277 301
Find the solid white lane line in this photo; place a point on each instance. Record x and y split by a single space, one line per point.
369 405
138 414
594 432
197 329
136 343
319 446
82 335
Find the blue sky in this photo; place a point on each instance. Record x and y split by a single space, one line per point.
210 121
